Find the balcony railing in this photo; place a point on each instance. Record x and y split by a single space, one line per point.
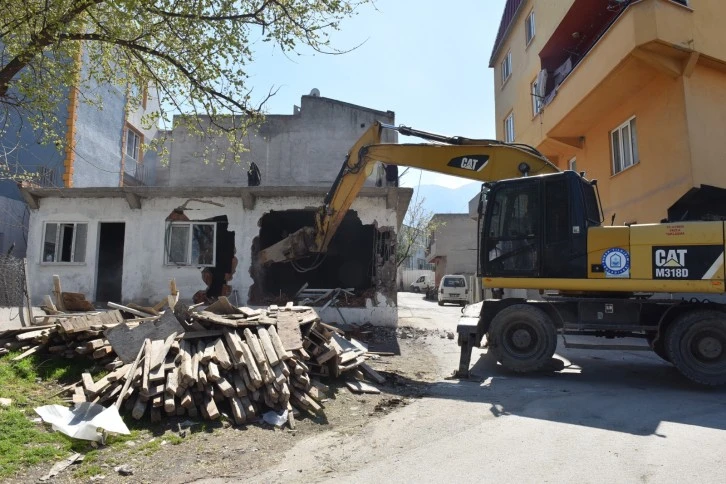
38 175
136 171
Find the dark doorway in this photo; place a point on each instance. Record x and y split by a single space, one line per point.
110 261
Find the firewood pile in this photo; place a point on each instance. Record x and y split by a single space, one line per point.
197 361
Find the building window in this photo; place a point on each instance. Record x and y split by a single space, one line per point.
624 143
506 67
133 144
509 128
191 244
529 27
64 242
536 98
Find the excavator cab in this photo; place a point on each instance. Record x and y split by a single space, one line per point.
537 226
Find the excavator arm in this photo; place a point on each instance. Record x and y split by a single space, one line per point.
481 160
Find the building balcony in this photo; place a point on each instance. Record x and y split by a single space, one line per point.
135 173
598 55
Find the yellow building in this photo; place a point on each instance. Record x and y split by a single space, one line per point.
632 92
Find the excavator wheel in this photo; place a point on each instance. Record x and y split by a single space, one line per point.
658 346
696 345
523 338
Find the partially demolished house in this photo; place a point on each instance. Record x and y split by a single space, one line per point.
204 226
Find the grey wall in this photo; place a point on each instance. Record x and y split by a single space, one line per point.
98 138
305 148
14 216
455 239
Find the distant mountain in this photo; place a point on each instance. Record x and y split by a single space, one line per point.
438 199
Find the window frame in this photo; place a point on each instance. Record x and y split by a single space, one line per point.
140 152
506 67
509 120
58 245
530 25
618 165
188 262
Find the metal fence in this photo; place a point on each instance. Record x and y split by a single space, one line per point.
12 282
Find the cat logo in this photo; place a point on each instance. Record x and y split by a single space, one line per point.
671 263
470 162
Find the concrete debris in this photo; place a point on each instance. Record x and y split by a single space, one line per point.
59 467
5 402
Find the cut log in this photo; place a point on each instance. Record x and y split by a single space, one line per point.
79 396
268 375
239 385
186 400
208 352
169 404
267 346
185 370
102 352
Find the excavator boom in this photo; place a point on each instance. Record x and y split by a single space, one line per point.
481 160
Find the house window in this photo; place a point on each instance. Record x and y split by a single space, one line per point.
509 128
64 242
506 67
624 143
133 144
536 99
191 244
529 27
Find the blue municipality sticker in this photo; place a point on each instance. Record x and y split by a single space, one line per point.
616 262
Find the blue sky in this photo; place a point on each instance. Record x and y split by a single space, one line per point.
426 60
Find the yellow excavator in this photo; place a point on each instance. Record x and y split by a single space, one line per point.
541 229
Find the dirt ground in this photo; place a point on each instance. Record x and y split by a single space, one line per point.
176 452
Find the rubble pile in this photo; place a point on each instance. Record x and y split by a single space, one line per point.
202 361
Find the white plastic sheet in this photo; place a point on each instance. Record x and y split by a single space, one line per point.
84 420
273 418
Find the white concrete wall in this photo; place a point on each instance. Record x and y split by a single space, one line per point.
145 276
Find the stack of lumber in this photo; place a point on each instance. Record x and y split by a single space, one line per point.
224 359
71 336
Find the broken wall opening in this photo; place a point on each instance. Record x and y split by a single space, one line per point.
354 260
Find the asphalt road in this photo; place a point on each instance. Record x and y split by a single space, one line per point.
609 416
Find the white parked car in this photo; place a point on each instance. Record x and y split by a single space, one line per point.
421 284
453 289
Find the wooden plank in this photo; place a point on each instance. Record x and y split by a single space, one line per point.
225 387
222 306
239 384
277 344
209 333
238 412
214 319
147 367
288 330
211 408
172 382
357 386
254 345
221 356
88 384
373 374
234 342
129 310
57 292
267 347
213 372
161 349
185 370
127 340
129 378
251 366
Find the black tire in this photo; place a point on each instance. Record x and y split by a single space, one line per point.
696 345
658 346
416 290
523 338
441 303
